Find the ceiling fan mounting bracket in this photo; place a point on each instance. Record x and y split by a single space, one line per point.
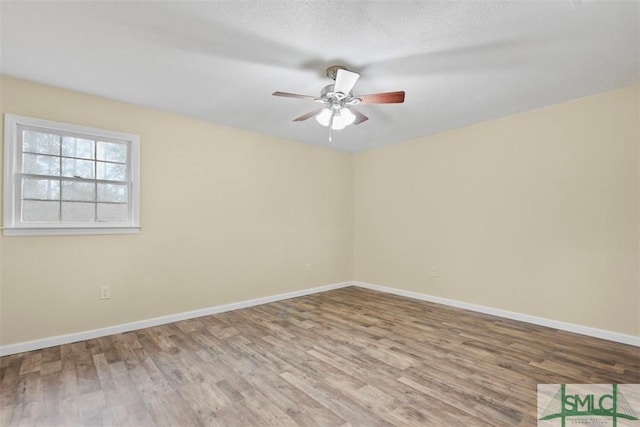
332 71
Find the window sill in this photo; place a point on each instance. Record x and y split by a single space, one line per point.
68 231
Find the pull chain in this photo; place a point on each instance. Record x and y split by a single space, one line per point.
330 125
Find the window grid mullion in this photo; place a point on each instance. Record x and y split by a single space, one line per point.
113 162
70 178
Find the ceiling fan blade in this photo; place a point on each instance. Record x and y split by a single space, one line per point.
294 95
383 98
345 80
359 116
308 115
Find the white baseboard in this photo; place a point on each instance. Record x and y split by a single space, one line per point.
556 324
132 326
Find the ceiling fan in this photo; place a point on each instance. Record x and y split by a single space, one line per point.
338 101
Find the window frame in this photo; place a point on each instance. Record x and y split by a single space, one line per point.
12 210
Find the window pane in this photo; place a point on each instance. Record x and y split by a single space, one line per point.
115 193
77 168
69 179
78 212
39 142
43 189
40 211
112 212
111 171
112 152
77 147
40 165
78 191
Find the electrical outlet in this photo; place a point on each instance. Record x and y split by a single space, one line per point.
434 272
308 268
105 292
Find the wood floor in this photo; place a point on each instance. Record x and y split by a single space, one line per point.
349 357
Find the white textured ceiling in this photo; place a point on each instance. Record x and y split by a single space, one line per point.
459 62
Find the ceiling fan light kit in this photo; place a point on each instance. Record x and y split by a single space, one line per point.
338 100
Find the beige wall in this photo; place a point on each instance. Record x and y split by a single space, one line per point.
535 213
226 216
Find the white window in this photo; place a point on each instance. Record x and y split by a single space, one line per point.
66 179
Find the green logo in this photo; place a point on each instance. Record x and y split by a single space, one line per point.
592 404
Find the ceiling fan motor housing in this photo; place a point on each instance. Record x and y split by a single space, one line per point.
327 95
